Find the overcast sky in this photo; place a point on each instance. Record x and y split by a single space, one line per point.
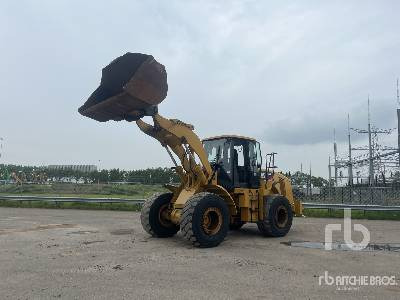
282 72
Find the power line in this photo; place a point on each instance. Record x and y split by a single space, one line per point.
377 159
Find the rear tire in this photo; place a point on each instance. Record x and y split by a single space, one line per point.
151 216
205 220
278 217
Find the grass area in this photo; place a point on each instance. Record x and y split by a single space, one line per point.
83 190
134 191
355 214
89 206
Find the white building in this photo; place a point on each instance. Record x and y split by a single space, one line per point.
81 168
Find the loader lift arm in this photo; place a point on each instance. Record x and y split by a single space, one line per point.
180 137
195 177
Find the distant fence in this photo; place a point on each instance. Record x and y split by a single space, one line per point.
383 196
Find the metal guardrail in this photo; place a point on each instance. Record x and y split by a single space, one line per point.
352 206
71 199
365 207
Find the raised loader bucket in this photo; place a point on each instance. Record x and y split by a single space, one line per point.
131 87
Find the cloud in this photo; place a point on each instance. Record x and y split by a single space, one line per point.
288 73
316 125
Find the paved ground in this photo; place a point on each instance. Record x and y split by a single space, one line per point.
71 254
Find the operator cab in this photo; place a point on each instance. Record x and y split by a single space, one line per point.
237 159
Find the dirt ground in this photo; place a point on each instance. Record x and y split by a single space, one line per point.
76 254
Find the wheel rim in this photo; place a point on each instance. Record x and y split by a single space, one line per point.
162 212
281 216
212 220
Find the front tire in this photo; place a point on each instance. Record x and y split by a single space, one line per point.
152 218
205 220
278 217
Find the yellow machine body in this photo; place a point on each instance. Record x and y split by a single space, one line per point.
197 175
217 192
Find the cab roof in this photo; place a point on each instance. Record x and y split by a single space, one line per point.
229 136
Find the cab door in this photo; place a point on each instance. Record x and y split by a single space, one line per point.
246 163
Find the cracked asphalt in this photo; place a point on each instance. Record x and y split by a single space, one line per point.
81 254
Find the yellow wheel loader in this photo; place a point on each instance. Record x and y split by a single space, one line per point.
222 183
